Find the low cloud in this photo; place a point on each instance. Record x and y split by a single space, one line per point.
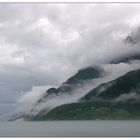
126 97
29 99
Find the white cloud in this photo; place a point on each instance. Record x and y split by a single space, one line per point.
28 100
126 97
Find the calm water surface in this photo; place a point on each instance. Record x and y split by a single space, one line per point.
69 128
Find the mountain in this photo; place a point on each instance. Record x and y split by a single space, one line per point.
126 59
133 37
83 111
85 74
125 84
103 96
68 88
103 102
76 81
82 75
92 111
133 40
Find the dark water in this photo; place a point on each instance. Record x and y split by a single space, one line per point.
70 128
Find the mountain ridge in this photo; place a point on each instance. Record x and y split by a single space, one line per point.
118 98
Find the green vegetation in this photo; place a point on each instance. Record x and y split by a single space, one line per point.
122 85
85 74
81 75
90 111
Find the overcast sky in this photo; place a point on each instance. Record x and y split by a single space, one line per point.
44 44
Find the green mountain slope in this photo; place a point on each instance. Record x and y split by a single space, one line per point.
85 74
125 84
100 103
92 111
74 82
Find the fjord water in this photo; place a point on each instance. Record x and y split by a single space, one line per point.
70 128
